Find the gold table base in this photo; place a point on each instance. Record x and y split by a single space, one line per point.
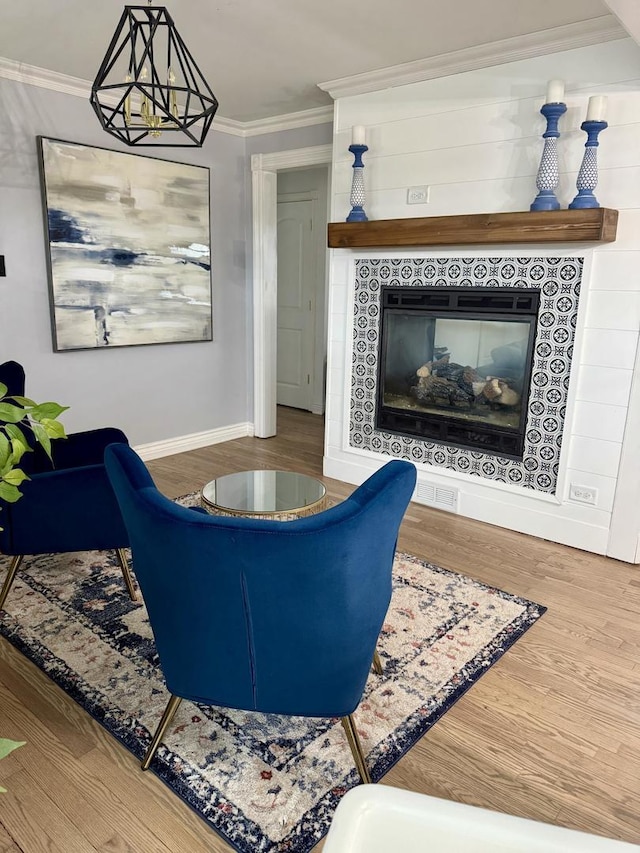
289 515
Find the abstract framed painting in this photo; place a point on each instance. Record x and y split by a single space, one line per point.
128 247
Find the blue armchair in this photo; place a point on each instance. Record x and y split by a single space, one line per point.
270 616
67 506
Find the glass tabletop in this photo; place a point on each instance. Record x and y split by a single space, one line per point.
264 492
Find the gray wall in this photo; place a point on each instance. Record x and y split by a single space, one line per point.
152 392
289 140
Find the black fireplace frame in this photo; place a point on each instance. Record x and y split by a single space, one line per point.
456 302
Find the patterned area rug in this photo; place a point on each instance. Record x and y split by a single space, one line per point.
265 783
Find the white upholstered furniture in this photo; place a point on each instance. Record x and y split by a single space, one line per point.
380 819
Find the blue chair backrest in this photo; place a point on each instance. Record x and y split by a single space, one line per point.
273 616
12 375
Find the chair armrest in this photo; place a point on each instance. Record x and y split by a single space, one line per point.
65 510
75 451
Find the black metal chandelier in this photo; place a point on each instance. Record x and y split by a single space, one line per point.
149 90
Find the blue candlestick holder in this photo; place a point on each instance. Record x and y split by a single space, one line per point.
356 198
588 174
548 177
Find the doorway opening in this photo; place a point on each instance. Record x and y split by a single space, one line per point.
265 169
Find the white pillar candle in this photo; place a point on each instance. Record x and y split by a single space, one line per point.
597 108
358 135
555 91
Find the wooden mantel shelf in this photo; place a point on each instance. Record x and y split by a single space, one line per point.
593 225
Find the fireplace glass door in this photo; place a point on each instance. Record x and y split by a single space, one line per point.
455 365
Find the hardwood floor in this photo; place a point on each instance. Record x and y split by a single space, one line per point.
551 732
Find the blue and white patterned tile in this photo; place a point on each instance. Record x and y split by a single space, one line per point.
557 279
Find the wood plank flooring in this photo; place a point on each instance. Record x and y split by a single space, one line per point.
551 732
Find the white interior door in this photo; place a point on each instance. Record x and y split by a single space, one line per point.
296 303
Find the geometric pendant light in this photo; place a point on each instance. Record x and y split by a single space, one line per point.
149 90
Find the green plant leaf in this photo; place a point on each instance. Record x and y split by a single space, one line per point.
8 466
11 414
17 451
46 410
14 431
41 419
15 477
42 438
7 746
9 493
11 451
24 402
19 443
5 450
53 428
17 435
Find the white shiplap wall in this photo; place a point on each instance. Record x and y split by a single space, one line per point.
475 140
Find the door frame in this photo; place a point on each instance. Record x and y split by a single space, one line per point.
264 184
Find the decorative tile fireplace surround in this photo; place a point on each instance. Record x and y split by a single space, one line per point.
557 279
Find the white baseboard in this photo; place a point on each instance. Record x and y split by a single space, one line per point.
182 443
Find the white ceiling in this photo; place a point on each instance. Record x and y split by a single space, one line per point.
265 58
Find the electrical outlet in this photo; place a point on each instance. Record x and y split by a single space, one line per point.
418 195
583 494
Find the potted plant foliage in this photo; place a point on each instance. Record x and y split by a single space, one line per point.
19 416
7 746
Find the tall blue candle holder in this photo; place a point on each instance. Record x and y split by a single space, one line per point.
588 174
548 177
356 198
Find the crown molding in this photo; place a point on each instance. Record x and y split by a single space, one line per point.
626 11
228 125
567 37
20 72
274 124
288 121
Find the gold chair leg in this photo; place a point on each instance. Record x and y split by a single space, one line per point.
169 713
11 573
126 573
356 748
377 663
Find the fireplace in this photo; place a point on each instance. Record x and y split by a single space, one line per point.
454 365
554 279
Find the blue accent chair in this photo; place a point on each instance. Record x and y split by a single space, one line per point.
67 506
270 616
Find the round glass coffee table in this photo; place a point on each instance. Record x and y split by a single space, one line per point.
276 495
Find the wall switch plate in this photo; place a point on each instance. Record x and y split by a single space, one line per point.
583 494
418 195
